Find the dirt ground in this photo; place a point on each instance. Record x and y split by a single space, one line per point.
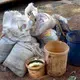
6 74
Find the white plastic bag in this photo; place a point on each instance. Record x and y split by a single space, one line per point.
42 21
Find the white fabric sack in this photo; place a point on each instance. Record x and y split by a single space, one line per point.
43 20
16 26
6 46
18 56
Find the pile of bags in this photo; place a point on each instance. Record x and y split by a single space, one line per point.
23 35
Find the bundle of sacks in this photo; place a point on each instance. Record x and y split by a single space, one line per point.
18 43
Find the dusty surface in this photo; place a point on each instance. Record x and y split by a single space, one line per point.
68 10
6 74
74 22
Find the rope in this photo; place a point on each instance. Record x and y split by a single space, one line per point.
58 23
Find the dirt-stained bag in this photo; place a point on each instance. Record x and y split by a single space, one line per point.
18 56
16 26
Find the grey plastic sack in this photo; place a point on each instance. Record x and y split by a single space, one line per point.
5 47
18 56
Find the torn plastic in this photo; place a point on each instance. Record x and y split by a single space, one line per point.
59 17
72 78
